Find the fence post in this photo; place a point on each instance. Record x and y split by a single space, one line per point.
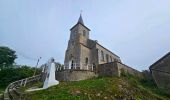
21 83
25 82
80 65
92 67
75 65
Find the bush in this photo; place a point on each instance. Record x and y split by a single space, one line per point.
8 75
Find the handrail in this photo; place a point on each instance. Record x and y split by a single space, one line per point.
11 86
75 66
20 80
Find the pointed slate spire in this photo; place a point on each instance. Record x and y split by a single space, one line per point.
80 20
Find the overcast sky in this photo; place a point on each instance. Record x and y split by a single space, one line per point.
136 30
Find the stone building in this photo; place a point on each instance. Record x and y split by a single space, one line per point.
83 51
161 72
86 58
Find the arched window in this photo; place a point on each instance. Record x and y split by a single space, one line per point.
72 64
102 56
94 66
107 58
110 58
86 61
84 33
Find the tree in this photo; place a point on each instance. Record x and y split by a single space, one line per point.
16 74
7 56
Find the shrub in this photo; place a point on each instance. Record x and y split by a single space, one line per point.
8 75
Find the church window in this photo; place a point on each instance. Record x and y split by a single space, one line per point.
110 58
102 56
107 58
86 60
84 33
72 64
94 66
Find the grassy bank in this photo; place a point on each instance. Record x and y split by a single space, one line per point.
115 88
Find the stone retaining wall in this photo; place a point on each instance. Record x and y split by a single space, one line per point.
107 69
74 75
127 69
115 69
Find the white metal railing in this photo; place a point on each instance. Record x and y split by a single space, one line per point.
76 66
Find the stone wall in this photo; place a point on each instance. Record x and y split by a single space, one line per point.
107 69
162 80
74 75
115 69
161 73
127 69
72 53
85 53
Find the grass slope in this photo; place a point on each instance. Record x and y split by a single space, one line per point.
109 88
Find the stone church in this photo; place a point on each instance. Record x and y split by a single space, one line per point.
83 51
86 58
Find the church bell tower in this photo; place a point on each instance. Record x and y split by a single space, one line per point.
79 34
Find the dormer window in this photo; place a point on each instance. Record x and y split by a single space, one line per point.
84 33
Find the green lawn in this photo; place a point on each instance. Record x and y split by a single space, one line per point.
115 88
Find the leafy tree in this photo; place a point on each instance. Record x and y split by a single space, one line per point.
8 75
7 56
10 72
